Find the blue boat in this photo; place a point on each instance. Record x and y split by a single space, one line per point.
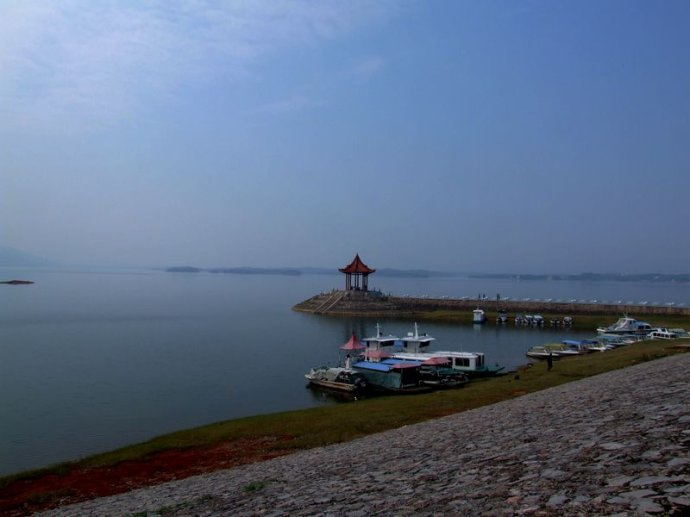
392 376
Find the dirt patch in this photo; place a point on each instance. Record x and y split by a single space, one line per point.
26 496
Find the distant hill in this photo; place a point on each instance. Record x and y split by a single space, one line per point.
387 272
235 270
12 257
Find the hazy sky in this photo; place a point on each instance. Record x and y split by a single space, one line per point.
504 136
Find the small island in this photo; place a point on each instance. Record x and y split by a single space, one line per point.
16 282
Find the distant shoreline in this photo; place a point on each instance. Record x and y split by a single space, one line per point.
423 273
17 282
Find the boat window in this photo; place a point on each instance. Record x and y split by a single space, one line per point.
462 361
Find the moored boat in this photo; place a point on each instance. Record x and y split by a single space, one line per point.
540 352
337 378
627 325
472 364
478 316
661 333
392 375
581 346
617 340
384 372
555 350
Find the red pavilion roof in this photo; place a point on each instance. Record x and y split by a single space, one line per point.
356 266
353 344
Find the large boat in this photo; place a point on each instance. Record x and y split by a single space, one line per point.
472 364
337 378
384 372
392 375
627 325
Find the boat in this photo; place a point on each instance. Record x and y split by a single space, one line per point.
617 340
392 375
502 317
472 364
541 352
414 341
627 325
582 346
341 378
440 376
478 316
661 333
681 333
554 350
384 372
337 378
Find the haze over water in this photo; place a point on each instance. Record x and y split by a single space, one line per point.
91 360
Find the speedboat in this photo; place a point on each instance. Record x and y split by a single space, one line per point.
627 325
584 346
552 349
541 352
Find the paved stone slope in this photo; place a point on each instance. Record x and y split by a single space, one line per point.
618 443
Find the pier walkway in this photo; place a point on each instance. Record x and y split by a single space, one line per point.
376 304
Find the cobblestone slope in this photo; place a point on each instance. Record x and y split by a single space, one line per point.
618 443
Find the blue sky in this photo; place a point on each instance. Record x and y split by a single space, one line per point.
502 136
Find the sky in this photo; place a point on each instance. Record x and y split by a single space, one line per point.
506 136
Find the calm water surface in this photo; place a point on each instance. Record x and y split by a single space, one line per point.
94 360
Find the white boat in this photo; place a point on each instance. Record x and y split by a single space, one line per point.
555 350
337 378
472 364
582 346
627 325
681 333
541 352
617 340
661 333
478 316
414 341
379 341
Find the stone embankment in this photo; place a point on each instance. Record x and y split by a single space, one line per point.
617 443
376 304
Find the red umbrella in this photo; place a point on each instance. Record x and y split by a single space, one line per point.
353 344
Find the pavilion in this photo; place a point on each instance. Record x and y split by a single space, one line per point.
360 271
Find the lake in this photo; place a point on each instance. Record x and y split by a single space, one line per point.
92 360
